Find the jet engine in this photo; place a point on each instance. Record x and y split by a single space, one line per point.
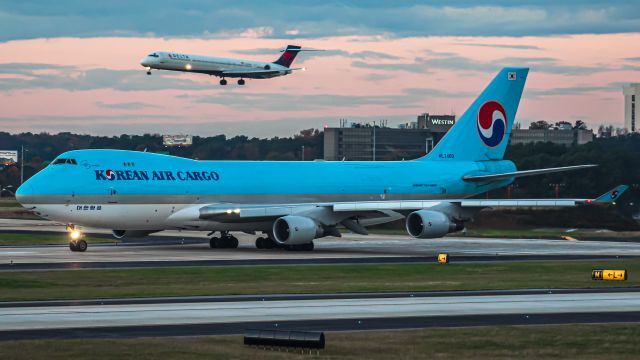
429 224
119 234
294 230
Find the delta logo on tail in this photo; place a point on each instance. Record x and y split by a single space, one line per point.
492 123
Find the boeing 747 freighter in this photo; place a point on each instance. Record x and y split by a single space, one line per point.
294 202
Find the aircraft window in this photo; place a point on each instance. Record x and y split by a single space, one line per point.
154 55
61 161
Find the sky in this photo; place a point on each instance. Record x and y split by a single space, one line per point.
73 65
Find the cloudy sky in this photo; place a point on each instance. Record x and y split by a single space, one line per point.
73 65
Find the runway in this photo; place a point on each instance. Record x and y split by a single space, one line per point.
375 311
352 249
347 250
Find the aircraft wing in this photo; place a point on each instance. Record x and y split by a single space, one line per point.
250 73
383 210
515 174
606 198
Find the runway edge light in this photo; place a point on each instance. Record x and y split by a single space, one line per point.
443 258
609 275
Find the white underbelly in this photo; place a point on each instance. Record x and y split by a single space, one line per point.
111 216
137 217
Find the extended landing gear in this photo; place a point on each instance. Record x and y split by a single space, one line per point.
268 243
76 243
148 71
223 82
300 247
225 241
241 82
265 243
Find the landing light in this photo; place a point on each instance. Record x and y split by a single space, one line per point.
188 66
75 235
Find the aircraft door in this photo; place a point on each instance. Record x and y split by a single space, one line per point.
113 195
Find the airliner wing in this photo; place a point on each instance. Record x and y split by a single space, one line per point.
385 209
249 73
515 174
607 198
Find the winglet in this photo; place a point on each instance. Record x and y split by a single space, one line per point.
611 195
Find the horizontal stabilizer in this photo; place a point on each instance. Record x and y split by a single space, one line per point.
611 195
515 174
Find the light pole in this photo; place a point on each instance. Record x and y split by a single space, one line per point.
302 153
374 140
557 187
22 150
21 164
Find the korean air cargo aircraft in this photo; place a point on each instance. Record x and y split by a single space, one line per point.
294 202
224 67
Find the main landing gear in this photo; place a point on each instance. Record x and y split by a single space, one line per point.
224 82
225 241
76 243
269 243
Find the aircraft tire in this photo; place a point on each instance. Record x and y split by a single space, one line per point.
259 243
223 82
241 82
81 246
73 246
214 243
269 243
233 243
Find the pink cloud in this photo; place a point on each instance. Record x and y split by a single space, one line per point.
562 62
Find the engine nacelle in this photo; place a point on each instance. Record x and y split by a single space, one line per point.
429 224
294 230
119 234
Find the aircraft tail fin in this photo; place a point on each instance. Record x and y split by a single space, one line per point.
288 55
483 131
611 195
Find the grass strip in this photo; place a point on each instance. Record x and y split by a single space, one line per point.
597 341
111 283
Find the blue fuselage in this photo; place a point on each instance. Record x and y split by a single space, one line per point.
129 177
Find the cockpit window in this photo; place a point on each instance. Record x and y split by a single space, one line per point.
60 161
154 55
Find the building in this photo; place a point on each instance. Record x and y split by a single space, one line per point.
363 142
631 93
560 136
436 123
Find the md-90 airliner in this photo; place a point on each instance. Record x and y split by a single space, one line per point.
224 67
294 202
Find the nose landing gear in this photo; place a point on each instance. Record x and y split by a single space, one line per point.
76 241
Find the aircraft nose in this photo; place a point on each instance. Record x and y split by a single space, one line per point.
23 192
145 62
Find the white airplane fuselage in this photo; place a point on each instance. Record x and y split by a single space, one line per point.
215 66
